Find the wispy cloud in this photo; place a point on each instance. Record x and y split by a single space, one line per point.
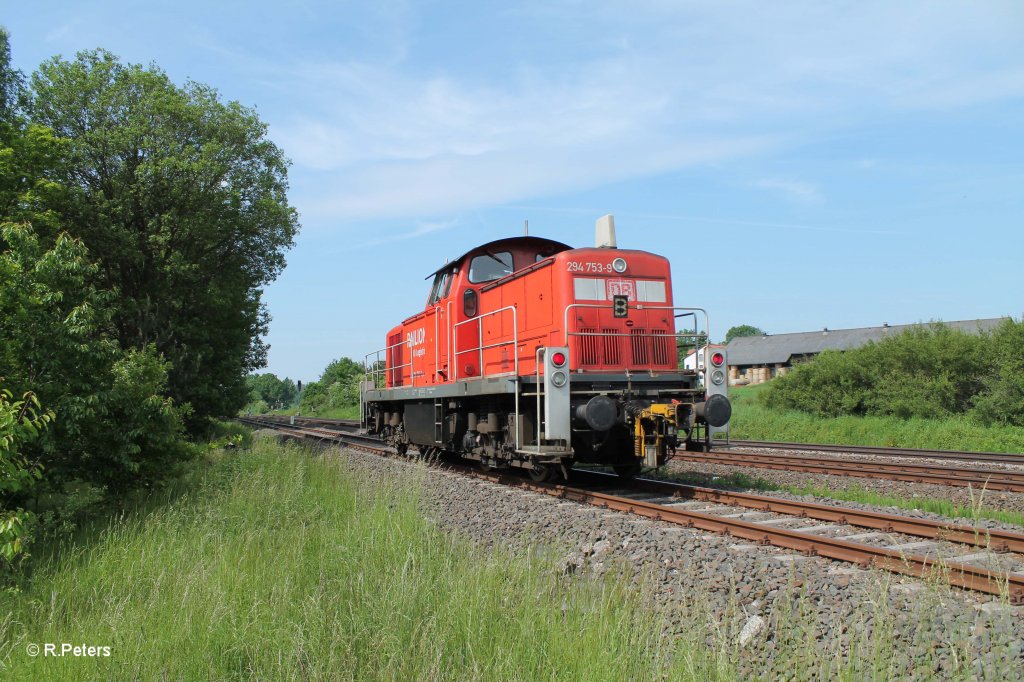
698 219
795 191
669 87
422 228
59 32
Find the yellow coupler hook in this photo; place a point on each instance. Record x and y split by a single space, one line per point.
652 420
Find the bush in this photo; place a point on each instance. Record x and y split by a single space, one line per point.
1001 399
20 422
928 372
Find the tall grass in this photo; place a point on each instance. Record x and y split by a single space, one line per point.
752 420
284 565
287 567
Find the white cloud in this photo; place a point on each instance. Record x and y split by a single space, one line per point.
658 89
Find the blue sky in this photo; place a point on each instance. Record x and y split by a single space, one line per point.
803 165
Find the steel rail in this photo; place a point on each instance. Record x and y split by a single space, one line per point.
967 456
966 576
994 539
990 479
961 575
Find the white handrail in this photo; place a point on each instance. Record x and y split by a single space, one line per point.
481 347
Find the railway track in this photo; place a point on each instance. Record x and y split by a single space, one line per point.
989 457
990 479
994 563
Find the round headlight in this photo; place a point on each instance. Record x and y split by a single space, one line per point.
717 377
619 265
558 379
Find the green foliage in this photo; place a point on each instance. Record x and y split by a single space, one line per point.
21 421
1001 399
11 81
181 199
273 393
753 420
930 372
742 330
116 428
337 388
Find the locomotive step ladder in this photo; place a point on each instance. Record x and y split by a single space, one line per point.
438 420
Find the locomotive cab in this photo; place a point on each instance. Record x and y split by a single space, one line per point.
529 353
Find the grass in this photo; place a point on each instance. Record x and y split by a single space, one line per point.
279 564
282 565
753 421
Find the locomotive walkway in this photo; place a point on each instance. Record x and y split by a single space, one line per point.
994 563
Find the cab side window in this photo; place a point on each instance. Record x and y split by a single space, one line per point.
442 282
490 266
448 284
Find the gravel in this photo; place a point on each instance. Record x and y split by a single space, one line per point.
756 606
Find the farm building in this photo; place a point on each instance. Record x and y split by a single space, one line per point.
756 359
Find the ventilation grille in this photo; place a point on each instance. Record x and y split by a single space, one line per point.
662 345
588 350
612 356
638 342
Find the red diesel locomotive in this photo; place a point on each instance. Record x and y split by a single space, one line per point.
532 354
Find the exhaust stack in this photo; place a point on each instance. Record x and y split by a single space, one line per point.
604 232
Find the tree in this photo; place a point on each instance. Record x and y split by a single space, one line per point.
11 81
115 427
275 393
181 198
742 330
1001 399
21 421
338 386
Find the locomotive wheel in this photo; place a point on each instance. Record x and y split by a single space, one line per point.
540 472
627 470
402 448
486 465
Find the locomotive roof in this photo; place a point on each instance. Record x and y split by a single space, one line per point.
536 242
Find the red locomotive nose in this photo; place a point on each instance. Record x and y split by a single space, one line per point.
558 359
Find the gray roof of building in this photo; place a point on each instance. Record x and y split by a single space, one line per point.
779 348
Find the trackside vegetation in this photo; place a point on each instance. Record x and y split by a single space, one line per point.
926 372
334 395
753 420
139 221
281 564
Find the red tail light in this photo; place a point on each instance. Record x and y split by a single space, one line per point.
717 359
558 359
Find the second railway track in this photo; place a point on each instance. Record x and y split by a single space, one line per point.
870 450
990 479
994 564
